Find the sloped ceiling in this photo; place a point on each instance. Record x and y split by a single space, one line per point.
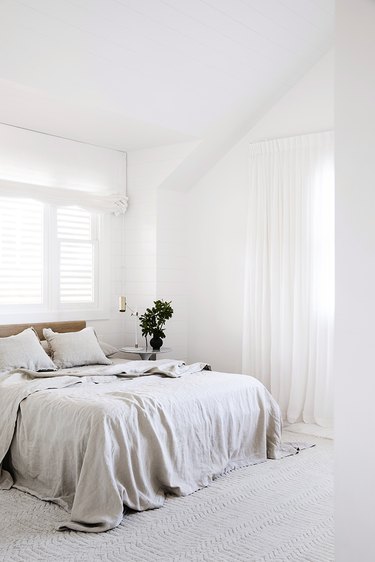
130 74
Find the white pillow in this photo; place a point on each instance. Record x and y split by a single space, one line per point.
107 348
46 348
73 349
23 351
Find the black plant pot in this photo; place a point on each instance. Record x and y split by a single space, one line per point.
156 343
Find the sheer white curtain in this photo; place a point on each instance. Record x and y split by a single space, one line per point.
289 283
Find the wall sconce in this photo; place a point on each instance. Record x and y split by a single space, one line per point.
122 306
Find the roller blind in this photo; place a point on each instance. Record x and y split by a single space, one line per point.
50 162
21 251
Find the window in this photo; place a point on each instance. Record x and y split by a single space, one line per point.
76 255
21 251
49 257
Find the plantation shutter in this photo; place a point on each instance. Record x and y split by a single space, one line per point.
21 251
76 255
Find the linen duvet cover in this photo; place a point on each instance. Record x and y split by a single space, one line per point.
96 443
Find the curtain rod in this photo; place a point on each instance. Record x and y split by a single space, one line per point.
61 137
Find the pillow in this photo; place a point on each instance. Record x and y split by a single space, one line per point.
46 348
107 348
74 349
23 351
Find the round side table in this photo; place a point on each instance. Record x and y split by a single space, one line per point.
145 353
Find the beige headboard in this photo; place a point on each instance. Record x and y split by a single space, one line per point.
13 329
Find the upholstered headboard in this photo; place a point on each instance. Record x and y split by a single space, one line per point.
13 329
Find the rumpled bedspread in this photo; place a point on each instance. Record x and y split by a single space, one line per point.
168 367
98 443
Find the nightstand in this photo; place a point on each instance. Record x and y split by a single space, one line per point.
145 353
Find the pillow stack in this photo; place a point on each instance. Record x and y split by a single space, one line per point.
59 351
74 349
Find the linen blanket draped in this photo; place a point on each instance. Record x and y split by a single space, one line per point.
98 443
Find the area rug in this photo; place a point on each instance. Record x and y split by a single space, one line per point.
278 510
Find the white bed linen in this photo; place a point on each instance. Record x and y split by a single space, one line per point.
95 445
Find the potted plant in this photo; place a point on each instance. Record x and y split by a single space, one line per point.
152 322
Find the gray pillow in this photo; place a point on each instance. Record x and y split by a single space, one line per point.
24 351
73 349
107 348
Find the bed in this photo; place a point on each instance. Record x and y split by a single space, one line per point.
98 440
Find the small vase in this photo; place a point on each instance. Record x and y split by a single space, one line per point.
156 343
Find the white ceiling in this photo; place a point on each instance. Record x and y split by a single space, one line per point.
135 73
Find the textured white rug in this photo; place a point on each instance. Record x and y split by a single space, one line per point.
279 510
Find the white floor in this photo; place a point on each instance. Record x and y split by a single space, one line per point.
275 511
310 429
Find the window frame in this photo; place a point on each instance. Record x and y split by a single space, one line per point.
51 309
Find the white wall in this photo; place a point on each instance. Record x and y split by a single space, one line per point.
217 212
49 162
171 282
111 329
153 247
355 280
146 251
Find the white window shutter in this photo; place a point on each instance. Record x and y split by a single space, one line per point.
76 256
21 251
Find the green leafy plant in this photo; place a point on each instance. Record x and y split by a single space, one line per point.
152 322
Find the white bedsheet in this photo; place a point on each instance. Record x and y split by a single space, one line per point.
95 445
